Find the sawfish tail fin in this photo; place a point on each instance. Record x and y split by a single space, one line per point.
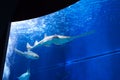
28 65
28 46
28 70
84 34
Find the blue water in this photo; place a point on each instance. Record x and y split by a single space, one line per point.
91 57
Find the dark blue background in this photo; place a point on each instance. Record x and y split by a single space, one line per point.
69 62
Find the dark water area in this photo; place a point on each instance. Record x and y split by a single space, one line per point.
93 56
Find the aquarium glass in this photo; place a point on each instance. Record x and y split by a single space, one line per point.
79 42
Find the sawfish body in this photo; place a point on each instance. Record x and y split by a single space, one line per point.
28 54
25 76
55 39
49 40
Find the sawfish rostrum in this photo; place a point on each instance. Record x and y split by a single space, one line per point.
56 40
28 54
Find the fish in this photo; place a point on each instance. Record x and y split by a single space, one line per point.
28 54
25 76
55 39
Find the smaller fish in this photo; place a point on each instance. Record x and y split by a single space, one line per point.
25 76
28 54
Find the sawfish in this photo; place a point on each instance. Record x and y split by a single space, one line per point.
28 54
55 39
25 76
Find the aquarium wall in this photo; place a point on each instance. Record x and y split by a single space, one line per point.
80 42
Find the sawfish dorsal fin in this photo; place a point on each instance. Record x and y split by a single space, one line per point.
45 35
36 42
28 46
